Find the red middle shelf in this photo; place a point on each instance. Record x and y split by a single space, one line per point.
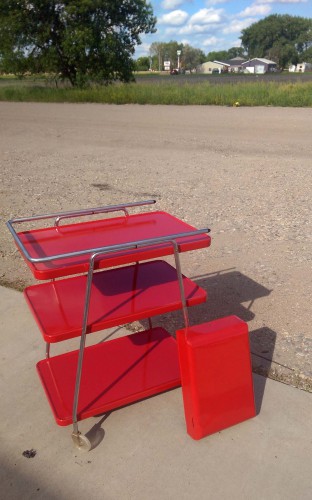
118 296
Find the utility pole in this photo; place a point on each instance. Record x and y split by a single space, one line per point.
178 54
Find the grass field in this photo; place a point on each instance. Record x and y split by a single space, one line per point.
291 90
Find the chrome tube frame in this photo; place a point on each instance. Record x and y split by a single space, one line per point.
181 286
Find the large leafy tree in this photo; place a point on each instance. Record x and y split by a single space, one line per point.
191 57
279 37
79 39
164 51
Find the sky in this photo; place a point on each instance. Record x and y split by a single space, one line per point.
213 25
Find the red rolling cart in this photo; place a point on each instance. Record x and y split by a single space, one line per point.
98 280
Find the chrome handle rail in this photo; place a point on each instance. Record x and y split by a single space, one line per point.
87 211
66 215
110 248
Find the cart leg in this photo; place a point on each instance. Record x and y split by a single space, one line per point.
81 441
47 350
180 280
150 323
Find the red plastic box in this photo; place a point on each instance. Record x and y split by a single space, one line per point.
216 375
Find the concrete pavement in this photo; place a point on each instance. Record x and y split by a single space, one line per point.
143 451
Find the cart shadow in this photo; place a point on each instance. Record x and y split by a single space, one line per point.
262 345
96 434
229 292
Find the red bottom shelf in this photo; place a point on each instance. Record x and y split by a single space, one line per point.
115 373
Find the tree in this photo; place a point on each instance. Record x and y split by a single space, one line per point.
81 40
161 51
306 56
221 55
283 54
225 55
142 63
157 53
236 52
191 57
282 37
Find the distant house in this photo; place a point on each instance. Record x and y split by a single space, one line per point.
300 68
233 65
210 67
259 65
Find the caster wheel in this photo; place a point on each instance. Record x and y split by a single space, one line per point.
81 442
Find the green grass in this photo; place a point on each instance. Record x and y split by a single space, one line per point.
169 91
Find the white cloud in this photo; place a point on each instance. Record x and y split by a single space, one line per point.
207 16
215 2
171 32
212 40
142 50
236 43
255 10
174 18
186 41
171 4
237 26
198 29
203 21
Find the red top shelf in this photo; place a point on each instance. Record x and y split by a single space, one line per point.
118 296
77 237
